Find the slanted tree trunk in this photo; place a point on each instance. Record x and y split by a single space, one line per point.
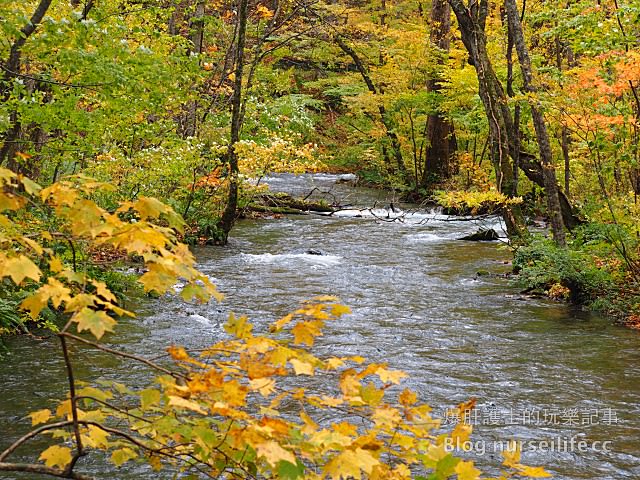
441 142
386 122
229 215
471 22
542 135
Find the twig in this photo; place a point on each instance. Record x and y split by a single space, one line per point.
30 435
125 355
74 409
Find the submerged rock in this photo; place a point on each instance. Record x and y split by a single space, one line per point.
313 251
482 235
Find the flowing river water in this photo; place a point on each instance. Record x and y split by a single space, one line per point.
541 371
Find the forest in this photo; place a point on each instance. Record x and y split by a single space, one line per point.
138 136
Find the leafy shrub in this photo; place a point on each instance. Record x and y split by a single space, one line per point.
474 202
542 265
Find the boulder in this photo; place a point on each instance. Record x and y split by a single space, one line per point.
482 235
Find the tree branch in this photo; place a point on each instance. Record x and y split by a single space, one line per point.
30 435
125 355
41 469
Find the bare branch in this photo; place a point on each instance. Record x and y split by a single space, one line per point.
130 356
30 435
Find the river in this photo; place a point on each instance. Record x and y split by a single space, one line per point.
540 370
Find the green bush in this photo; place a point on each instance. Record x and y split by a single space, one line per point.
542 265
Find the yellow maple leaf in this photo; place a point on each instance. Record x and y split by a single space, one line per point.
41 416
334 363
305 332
6 175
55 265
263 12
534 472
178 353
339 310
97 322
96 437
56 456
511 455
265 386
34 305
350 464
30 186
64 409
149 207
386 416
407 398
325 298
103 291
466 471
461 433
273 453
371 394
19 268
309 425
157 278
331 401
349 383
300 367
186 404
238 326
277 325
9 201
346 428
53 290
392 376
122 455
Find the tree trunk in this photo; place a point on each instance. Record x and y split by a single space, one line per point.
566 140
542 135
471 22
11 69
532 168
190 125
229 215
441 142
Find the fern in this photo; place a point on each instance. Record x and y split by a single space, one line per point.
10 319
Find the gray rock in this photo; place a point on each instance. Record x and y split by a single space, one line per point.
482 235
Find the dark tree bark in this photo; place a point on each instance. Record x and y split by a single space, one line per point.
471 21
542 135
441 142
190 120
532 168
11 69
565 141
516 110
229 216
